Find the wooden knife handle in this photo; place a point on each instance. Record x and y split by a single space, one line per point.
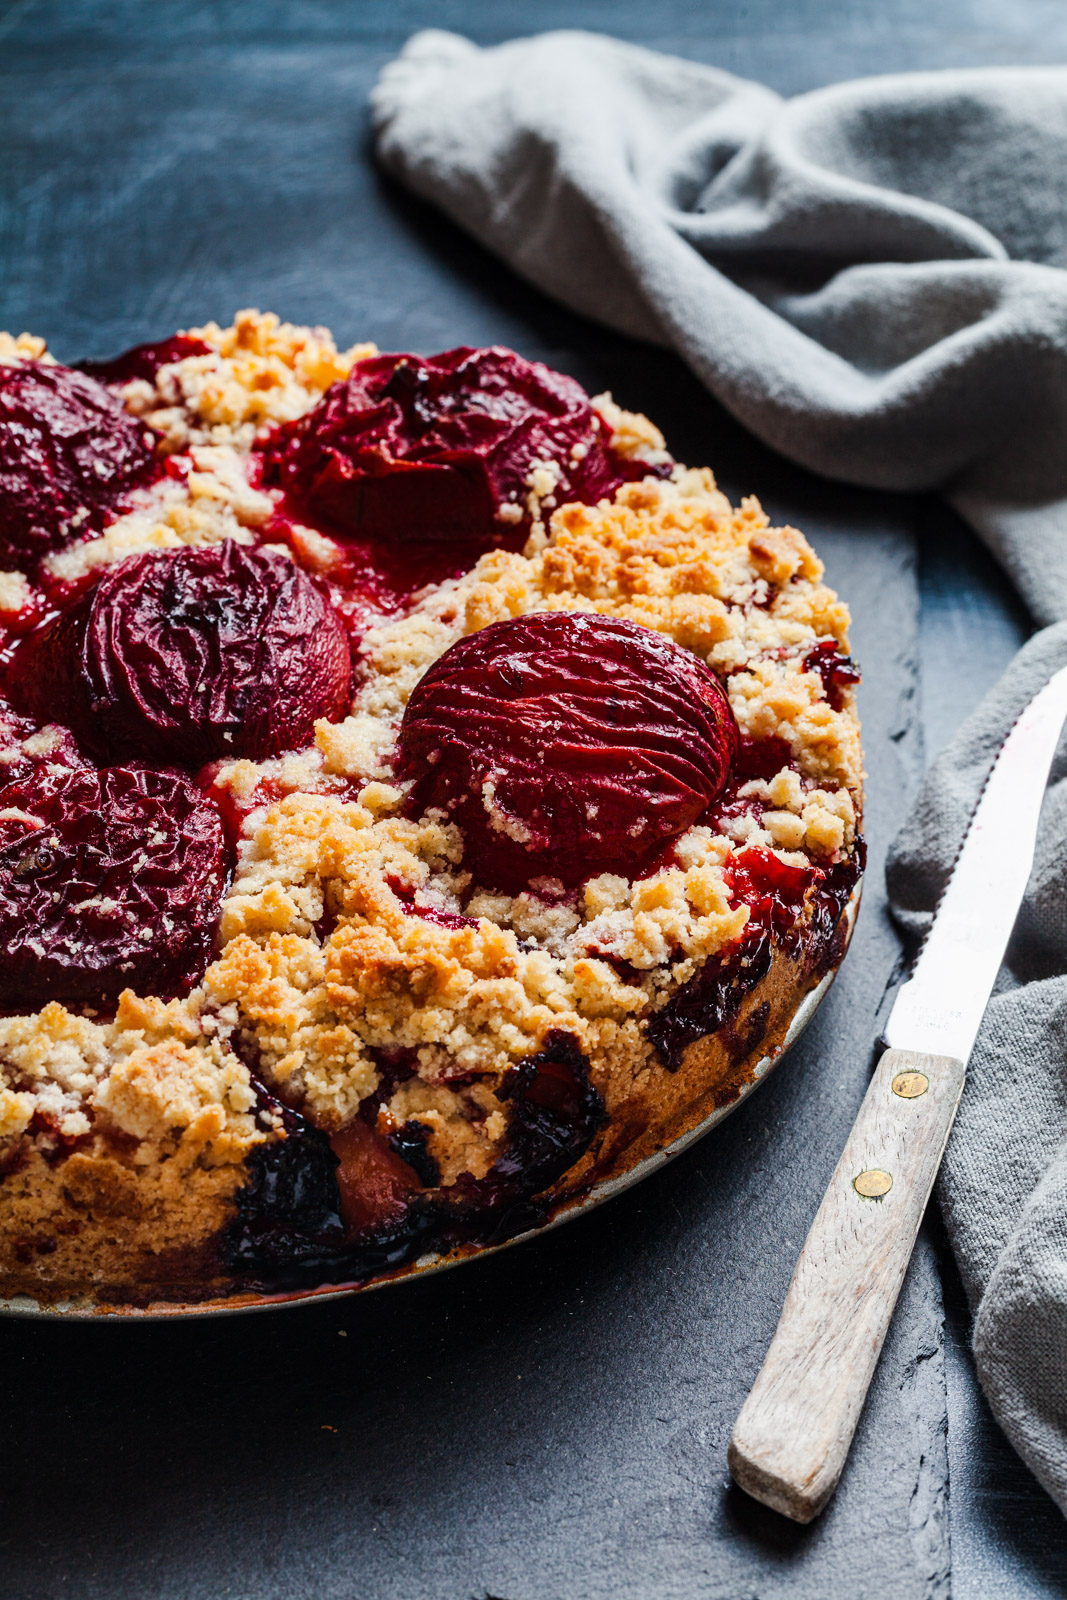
791 1439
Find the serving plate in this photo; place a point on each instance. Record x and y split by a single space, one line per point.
83 1308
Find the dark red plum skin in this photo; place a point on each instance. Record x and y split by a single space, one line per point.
144 360
428 448
118 854
188 656
67 447
18 762
600 740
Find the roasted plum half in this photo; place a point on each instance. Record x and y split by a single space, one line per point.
69 454
109 880
188 656
566 744
445 447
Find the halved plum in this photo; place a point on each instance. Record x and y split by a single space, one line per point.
566 744
109 880
189 656
442 447
69 454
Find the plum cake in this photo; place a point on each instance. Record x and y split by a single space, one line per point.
421 797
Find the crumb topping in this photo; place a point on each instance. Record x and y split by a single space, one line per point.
632 435
477 997
24 347
261 371
157 1074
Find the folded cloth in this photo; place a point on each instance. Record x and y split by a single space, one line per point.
871 278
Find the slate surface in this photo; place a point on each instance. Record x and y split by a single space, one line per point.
551 1423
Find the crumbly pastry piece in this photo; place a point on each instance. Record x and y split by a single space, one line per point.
405 1041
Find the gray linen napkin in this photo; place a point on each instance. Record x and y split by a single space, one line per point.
871 277
1003 1184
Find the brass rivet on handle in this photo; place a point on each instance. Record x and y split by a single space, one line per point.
910 1085
873 1183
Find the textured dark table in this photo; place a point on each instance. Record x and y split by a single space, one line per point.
551 1423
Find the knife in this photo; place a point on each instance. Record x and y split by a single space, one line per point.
793 1434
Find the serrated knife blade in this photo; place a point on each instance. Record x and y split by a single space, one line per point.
940 1008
